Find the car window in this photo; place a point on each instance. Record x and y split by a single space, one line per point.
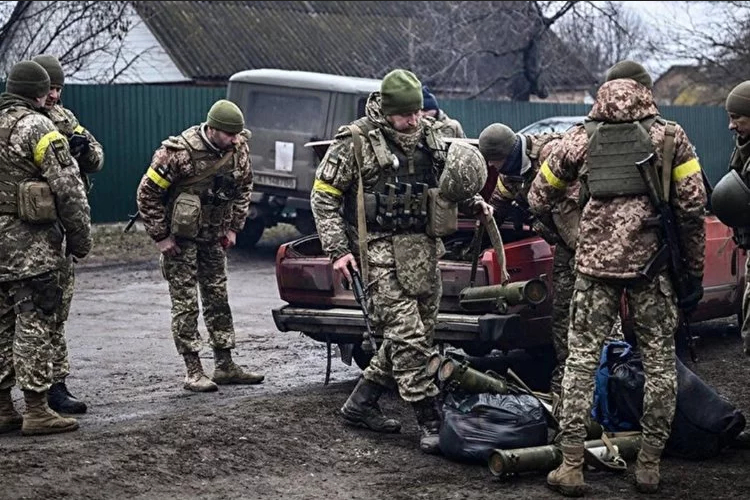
270 111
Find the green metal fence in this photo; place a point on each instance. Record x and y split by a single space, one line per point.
131 120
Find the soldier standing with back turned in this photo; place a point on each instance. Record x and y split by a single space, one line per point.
616 241
42 201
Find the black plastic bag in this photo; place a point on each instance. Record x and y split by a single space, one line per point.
475 424
704 422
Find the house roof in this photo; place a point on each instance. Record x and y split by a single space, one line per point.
210 41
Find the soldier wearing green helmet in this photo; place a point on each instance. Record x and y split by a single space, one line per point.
370 201
89 156
730 199
194 199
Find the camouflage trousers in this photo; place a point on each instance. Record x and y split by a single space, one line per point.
563 278
407 324
27 320
594 309
199 267
745 326
60 363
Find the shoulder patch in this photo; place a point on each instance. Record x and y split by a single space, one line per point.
62 152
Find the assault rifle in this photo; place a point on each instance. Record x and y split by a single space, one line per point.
360 295
670 250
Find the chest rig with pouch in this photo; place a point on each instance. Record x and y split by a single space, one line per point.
397 202
204 199
614 149
23 193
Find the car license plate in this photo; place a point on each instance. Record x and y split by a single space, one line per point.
265 179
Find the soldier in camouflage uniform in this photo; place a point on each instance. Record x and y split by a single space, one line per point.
42 201
518 157
393 151
738 109
444 124
614 246
89 155
193 201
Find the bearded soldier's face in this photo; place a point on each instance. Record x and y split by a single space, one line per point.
406 122
740 124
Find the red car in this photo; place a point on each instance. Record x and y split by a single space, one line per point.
321 307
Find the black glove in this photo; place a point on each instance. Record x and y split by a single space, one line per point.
79 145
695 292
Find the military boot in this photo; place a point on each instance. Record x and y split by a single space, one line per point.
647 468
196 380
428 420
39 418
362 408
10 419
568 477
228 372
61 400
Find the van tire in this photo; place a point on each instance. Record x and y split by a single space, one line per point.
251 234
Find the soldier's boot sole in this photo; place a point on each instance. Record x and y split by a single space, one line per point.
430 444
371 420
52 424
202 384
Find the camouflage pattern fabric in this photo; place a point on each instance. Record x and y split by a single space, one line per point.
36 150
26 323
613 241
172 164
446 126
67 123
745 326
465 172
60 362
563 278
594 310
406 320
200 266
407 324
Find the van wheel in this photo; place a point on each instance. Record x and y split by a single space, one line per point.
251 234
361 357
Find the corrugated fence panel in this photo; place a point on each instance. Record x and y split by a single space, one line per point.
131 121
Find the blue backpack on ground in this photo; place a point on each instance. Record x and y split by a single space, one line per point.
605 410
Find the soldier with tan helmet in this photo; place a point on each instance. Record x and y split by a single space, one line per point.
41 192
89 155
194 199
730 199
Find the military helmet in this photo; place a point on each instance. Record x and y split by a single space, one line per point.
464 174
730 200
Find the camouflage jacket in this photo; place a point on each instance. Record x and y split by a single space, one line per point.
67 123
184 157
337 178
446 126
34 149
614 241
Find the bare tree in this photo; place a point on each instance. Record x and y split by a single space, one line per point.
78 33
605 33
494 49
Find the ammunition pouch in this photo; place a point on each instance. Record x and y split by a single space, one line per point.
186 215
442 215
36 203
742 237
402 208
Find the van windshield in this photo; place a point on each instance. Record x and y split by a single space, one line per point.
270 111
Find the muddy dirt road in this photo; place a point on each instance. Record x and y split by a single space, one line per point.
144 437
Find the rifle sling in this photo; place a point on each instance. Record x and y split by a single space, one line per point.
361 220
667 159
208 172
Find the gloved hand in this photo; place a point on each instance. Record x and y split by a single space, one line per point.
695 292
79 145
545 232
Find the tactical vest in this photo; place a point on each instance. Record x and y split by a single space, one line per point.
613 150
397 201
13 169
217 190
